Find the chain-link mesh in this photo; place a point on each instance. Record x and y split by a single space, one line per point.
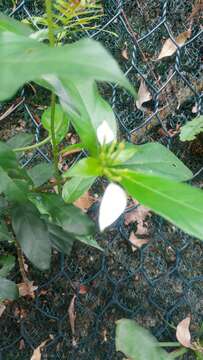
160 283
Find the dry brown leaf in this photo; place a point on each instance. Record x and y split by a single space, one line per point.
83 289
169 48
195 109
72 317
22 345
2 309
137 215
125 54
183 333
37 352
27 289
85 201
143 94
136 242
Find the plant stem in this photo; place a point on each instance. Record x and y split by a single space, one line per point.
48 4
71 149
169 344
21 262
34 146
178 353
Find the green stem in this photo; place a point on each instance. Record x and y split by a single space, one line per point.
169 344
53 97
70 149
35 146
177 354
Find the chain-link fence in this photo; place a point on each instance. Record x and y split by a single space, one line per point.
159 283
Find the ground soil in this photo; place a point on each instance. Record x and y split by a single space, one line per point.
157 285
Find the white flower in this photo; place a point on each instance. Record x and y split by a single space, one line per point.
105 135
113 204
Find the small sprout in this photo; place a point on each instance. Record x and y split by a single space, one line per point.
112 206
105 134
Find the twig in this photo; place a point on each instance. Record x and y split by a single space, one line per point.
11 109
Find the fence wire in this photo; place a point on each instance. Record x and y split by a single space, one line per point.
160 283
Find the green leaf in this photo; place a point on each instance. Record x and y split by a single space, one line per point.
14 26
137 343
90 241
32 235
4 233
86 168
198 355
20 140
7 262
60 239
179 203
13 190
76 187
93 110
3 204
41 173
61 122
69 217
155 159
82 60
190 130
8 290
7 157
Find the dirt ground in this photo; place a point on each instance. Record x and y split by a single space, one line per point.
160 283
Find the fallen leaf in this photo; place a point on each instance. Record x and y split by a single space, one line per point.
83 290
183 333
22 345
72 318
85 201
2 309
37 352
125 54
136 242
195 109
143 94
138 215
27 289
169 48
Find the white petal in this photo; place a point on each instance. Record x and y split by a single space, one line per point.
113 204
105 134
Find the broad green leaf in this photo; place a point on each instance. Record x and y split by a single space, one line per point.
60 239
82 60
137 343
8 290
90 241
86 168
3 204
41 173
4 233
190 130
76 187
8 162
179 203
20 140
199 355
7 262
32 235
14 26
69 217
61 122
155 159
7 157
12 189
93 111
